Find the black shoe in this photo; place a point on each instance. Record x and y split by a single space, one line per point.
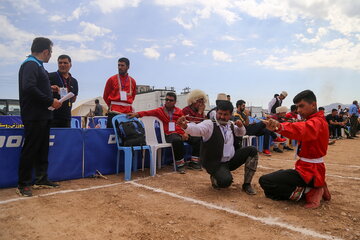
45 184
24 191
349 137
278 150
248 189
180 169
288 148
214 182
194 166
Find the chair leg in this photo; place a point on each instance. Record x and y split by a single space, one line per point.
117 161
135 161
173 155
143 159
128 162
152 162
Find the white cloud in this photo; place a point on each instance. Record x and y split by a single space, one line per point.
221 56
107 6
187 43
228 38
27 6
320 33
92 30
77 13
171 56
338 53
151 53
57 18
81 54
181 22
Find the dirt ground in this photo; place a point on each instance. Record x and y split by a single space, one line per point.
174 206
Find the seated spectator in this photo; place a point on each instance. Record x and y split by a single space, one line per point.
334 124
345 121
194 112
221 97
280 117
174 134
254 129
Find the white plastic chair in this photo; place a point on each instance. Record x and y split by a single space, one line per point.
152 141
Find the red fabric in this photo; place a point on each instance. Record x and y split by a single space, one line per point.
189 111
313 135
164 117
290 115
112 92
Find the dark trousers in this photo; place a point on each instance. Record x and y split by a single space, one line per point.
195 145
354 125
280 185
60 123
335 130
177 145
34 153
109 119
259 129
223 175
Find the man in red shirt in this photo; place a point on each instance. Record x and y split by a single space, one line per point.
174 134
120 91
308 177
292 115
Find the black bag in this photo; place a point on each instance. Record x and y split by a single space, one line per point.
131 133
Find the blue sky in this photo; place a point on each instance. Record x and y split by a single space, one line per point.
249 49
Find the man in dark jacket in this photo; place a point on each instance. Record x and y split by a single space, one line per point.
35 99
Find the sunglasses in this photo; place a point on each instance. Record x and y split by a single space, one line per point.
169 100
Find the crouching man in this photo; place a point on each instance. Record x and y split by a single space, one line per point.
219 152
308 177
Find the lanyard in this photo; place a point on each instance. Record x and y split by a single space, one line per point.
170 113
63 81
120 84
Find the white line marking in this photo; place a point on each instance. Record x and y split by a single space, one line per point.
268 220
75 190
334 164
327 175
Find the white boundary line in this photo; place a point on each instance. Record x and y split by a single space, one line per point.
334 164
74 190
327 175
268 220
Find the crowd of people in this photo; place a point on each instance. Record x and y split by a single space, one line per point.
215 137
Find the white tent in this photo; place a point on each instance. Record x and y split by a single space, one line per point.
83 107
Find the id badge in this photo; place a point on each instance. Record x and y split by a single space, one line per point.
123 96
171 126
63 92
227 150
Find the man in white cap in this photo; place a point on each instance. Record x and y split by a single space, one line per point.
221 97
276 102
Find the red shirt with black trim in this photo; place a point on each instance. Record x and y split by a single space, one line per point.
193 116
163 115
112 92
313 135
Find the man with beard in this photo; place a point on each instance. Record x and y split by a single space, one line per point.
220 153
120 91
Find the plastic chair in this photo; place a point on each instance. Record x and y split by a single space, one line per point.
75 123
128 156
152 140
102 122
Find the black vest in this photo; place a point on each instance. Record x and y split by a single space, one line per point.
276 104
211 151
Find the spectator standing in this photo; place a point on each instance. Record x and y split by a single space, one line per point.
276 102
354 115
35 99
120 91
66 83
98 108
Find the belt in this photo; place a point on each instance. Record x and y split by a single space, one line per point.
120 103
312 160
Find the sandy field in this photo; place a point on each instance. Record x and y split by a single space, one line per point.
174 206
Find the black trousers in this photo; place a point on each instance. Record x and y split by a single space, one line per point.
280 185
335 130
34 153
259 129
178 145
60 123
223 175
354 125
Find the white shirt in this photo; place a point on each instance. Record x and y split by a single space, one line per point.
205 130
272 102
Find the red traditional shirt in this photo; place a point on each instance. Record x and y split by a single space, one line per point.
165 117
291 115
193 115
313 135
112 93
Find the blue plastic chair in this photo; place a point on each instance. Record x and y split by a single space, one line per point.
129 159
